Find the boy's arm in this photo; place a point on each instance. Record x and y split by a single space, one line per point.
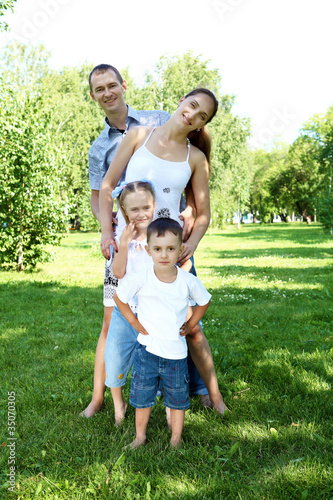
128 314
198 313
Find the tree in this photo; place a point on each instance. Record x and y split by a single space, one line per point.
5 5
32 212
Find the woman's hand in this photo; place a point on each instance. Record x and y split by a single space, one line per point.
188 218
188 250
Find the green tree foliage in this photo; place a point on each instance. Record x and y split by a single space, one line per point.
266 192
5 5
31 210
78 121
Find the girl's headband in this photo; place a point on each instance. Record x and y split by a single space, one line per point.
118 190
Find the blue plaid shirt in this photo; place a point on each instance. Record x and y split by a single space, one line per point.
104 147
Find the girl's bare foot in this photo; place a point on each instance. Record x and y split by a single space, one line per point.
120 415
91 409
136 443
176 442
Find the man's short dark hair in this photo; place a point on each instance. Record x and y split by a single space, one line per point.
163 225
103 68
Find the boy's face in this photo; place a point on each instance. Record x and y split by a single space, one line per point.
164 250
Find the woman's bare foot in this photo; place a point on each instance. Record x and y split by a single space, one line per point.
205 401
120 415
136 443
91 409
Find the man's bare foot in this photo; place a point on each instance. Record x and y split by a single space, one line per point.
120 415
91 409
205 401
136 443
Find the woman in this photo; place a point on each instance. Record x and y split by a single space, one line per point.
169 156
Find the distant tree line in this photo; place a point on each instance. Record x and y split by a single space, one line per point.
48 122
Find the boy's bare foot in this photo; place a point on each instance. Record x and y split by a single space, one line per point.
120 415
91 409
135 444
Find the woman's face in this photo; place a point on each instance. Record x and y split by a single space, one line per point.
195 110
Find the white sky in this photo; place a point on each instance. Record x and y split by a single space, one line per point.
274 55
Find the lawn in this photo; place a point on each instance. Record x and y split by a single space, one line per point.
270 328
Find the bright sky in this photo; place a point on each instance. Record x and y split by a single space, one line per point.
274 55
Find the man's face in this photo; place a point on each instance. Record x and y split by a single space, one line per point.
108 92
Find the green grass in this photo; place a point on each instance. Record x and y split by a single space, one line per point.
270 330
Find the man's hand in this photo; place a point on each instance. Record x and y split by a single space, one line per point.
188 217
106 241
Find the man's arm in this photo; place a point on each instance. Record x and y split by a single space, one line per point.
94 203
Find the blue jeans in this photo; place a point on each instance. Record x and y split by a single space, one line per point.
197 386
119 350
148 369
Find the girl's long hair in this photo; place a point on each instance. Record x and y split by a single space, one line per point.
202 139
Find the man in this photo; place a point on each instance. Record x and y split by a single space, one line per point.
107 88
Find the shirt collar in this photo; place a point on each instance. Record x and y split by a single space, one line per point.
132 114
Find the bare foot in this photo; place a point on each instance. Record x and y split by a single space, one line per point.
176 442
135 444
222 408
91 409
119 417
205 401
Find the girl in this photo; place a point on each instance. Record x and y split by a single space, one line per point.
136 201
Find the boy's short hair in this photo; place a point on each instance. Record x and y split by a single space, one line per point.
163 225
103 68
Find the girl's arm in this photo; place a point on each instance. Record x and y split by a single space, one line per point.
118 165
120 259
197 315
128 314
199 181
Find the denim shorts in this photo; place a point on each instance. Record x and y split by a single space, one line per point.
119 350
148 369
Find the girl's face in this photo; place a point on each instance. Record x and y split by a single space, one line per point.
139 208
195 110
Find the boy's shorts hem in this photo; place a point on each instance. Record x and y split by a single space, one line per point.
148 369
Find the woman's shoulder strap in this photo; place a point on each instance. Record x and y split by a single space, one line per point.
148 136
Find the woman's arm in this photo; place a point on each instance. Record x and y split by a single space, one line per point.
199 181
114 173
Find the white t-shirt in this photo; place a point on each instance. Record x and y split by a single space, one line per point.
162 308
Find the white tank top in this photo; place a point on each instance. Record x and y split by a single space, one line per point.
169 179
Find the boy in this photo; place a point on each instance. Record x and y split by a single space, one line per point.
163 292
